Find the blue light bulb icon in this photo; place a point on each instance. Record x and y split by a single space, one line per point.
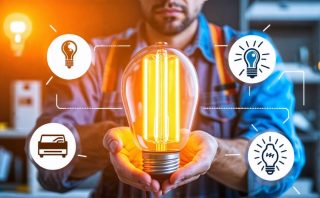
252 57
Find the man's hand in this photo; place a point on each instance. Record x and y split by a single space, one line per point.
195 160
91 146
127 160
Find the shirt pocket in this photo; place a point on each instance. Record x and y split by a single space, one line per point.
111 100
217 114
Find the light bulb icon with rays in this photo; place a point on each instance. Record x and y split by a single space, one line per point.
251 59
271 156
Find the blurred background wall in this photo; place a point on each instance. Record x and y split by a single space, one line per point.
92 18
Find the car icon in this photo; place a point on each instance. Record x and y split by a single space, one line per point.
50 144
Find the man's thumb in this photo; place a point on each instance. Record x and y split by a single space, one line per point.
114 146
112 141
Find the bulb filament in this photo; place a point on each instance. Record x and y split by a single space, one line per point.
161 104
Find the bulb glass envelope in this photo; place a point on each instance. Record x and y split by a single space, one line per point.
17 28
160 94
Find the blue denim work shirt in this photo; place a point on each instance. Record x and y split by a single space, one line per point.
222 123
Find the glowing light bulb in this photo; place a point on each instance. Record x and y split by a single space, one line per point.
160 94
17 28
270 157
252 57
69 49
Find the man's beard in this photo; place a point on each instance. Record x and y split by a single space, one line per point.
167 26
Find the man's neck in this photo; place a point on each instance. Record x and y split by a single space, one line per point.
179 41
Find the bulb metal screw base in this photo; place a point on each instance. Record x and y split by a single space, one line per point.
270 170
251 72
160 165
69 63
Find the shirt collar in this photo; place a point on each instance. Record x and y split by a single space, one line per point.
202 40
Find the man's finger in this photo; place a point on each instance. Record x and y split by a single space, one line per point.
136 185
133 176
126 170
143 187
193 168
158 194
168 186
112 140
155 187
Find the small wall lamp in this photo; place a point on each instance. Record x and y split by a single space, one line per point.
17 27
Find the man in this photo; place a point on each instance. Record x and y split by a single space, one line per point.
204 170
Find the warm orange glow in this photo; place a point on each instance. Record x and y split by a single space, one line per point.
17 27
161 99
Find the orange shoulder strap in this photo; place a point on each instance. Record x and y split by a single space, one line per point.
227 82
116 60
111 68
108 80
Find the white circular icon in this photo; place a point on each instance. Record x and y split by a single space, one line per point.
271 156
252 59
52 146
69 56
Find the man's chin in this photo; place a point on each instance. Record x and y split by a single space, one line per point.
168 25
169 29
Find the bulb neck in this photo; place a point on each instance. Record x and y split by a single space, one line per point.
160 165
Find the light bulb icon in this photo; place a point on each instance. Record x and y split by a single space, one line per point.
66 51
252 57
69 49
160 94
270 157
